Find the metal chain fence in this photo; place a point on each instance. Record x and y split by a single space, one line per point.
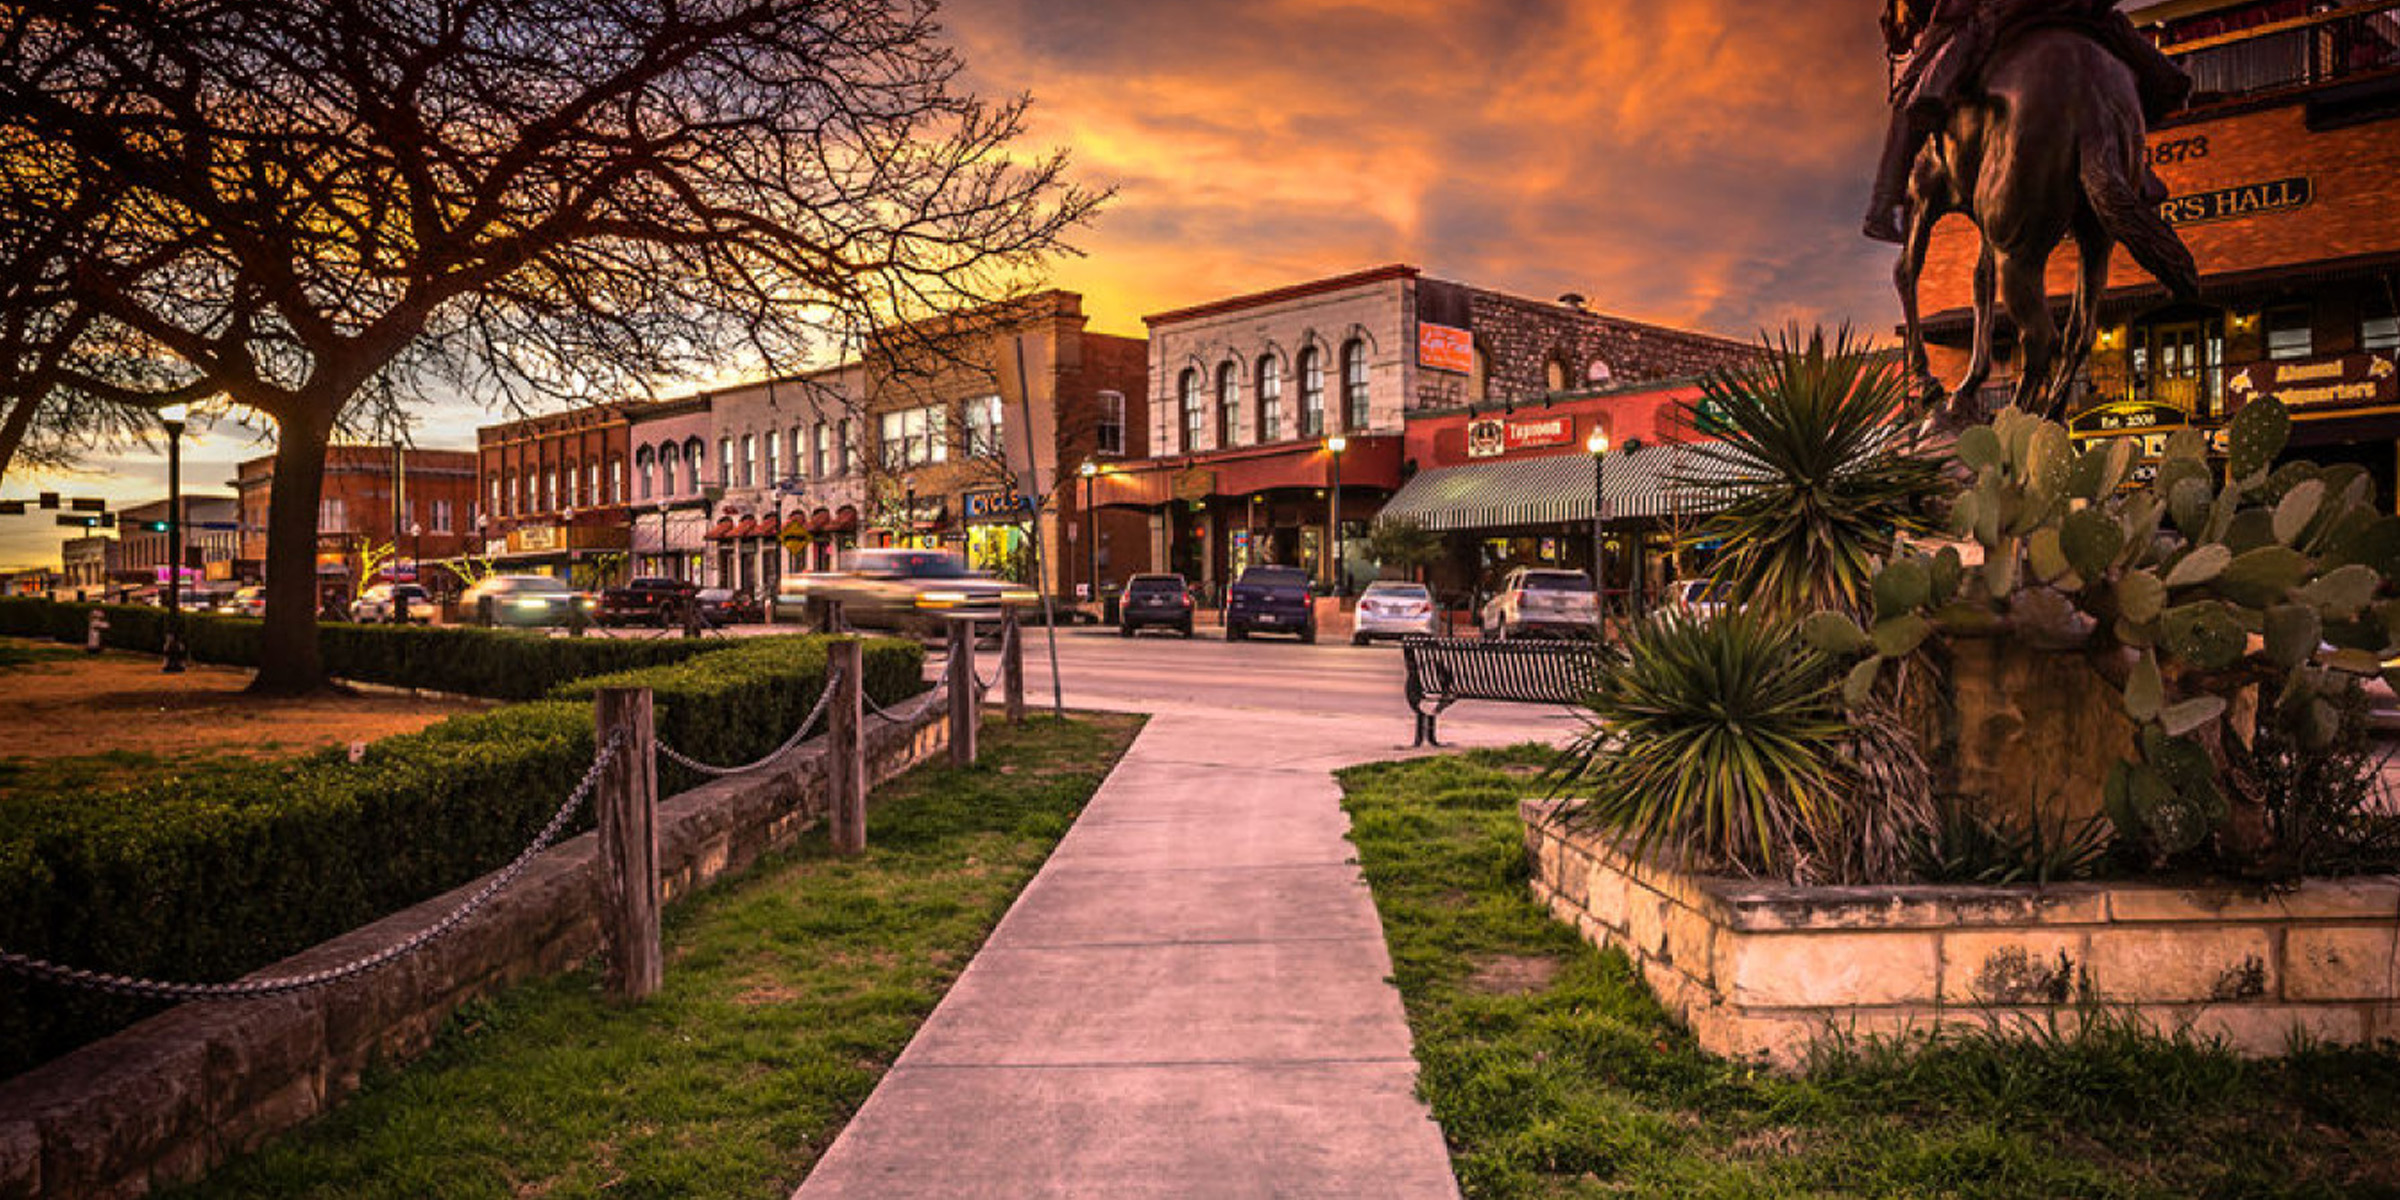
824 701
244 989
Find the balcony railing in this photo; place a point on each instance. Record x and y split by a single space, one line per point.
2303 51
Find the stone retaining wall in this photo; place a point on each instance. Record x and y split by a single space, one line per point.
166 1099
1759 969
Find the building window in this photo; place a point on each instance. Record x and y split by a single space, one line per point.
1479 376
983 426
817 447
1229 404
913 437
1110 437
667 455
694 450
1312 393
1554 376
645 471
550 489
799 449
330 518
768 474
591 484
616 481
1270 399
725 462
2289 334
1354 385
1189 406
749 460
525 494
845 446
442 514
2379 330
491 493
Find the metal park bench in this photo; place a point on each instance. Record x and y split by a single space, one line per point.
1444 671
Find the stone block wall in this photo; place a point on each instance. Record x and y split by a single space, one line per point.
165 1100
1760 969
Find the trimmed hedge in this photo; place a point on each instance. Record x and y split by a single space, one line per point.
214 872
502 664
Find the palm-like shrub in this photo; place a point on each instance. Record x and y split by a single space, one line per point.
1814 431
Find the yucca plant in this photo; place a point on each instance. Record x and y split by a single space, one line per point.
1717 741
1815 432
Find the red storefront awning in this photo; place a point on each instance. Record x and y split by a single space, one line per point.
820 521
722 530
748 527
844 519
769 526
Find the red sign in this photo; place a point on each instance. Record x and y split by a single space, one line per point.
1492 437
1445 348
2350 381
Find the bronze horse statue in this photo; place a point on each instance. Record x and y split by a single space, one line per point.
2051 145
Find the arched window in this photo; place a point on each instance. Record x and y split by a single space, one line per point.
1312 393
695 452
724 462
1270 399
1479 376
1229 404
799 455
667 455
1354 385
1194 413
645 471
749 461
1554 376
819 448
768 474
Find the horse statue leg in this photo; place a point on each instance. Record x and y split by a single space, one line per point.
1905 273
1966 400
2092 246
2023 293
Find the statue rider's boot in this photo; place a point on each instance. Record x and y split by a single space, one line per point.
2162 85
1884 201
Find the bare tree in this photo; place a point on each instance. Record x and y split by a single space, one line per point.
326 210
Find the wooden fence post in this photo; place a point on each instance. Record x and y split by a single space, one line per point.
627 799
963 702
846 748
1012 665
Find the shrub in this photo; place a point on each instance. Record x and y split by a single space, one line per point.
214 871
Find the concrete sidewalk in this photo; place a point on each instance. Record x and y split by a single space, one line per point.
1190 999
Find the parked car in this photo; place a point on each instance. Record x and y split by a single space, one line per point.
1543 601
1272 600
1394 608
1700 598
530 600
649 599
382 602
246 602
907 591
725 606
1155 600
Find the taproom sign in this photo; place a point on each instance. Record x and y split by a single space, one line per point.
1492 437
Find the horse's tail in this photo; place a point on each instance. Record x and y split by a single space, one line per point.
2137 226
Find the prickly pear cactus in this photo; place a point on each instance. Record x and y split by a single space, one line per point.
2211 597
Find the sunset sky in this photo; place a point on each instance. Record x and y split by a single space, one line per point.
1699 163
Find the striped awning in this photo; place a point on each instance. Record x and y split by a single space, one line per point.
1645 484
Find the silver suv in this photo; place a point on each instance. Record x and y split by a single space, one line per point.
1543 602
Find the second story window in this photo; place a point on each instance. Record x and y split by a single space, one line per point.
2289 334
1229 404
913 437
768 474
645 472
1270 399
749 460
1312 393
666 470
616 481
724 462
1194 414
1110 435
1354 385
845 448
818 448
2379 330
982 419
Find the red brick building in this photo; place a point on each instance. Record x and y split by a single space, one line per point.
423 501
553 492
2282 174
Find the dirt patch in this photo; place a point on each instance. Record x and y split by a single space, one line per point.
1514 974
123 702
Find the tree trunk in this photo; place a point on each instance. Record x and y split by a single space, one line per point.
287 661
12 433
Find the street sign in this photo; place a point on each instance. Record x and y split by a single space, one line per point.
12 508
88 504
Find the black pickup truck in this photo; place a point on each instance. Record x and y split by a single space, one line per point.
653 600
1268 599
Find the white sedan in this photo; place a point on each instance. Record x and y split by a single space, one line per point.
1393 608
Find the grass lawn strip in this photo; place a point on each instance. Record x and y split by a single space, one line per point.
788 993
1553 1071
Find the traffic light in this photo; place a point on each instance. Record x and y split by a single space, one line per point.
154 526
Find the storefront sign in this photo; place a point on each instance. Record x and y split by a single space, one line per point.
1194 484
997 505
2125 420
534 539
1445 348
2351 381
1492 437
2250 199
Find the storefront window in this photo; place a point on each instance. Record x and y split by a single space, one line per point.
1000 549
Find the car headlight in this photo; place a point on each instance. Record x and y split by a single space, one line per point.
532 603
1018 596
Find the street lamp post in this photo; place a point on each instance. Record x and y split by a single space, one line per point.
1091 526
1333 514
173 416
1597 444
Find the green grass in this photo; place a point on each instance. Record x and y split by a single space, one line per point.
17 654
1553 1072
788 992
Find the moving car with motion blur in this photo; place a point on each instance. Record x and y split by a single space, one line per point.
1155 601
725 606
902 590
645 600
1392 608
1270 600
528 600
248 601
1543 602
382 603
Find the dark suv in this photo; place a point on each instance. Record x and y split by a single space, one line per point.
1270 600
1160 600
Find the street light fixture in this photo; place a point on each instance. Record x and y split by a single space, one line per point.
1333 516
1091 525
173 416
1597 445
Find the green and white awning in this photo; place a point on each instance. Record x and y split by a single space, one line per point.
1652 483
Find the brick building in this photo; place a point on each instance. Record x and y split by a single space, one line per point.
784 477
432 520
553 491
1263 398
211 540
2281 172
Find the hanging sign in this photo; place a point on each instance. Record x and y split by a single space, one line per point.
2350 381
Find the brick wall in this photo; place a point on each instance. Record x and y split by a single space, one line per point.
1521 338
167 1099
1759 970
